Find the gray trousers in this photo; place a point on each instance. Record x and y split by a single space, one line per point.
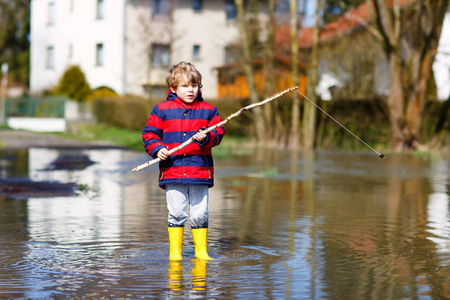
178 196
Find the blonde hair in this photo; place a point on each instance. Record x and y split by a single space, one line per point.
175 75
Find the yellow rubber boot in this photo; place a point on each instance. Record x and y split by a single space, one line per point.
176 242
200 237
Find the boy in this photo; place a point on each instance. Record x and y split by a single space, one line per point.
188 173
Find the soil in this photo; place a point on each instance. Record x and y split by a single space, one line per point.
17 139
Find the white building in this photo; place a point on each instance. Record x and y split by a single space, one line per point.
128 45
441 65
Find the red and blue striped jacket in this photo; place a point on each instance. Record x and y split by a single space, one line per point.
173 122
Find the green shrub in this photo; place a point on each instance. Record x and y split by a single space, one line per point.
131 112
73 84
368 119
243 124
102 92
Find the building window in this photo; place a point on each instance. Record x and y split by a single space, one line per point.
99 55
100 9
50 57
231 54
196 52
197 5
51 13
156 91
160 56
230 10
161 8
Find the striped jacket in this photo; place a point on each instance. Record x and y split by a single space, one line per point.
173 122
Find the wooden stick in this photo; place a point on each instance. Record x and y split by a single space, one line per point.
190 140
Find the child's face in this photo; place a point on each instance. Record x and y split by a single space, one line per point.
186 91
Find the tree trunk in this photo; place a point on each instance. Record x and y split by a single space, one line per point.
309 111
417 100
295 118
424 48
248 69
389 25
427 18
269 86
395 102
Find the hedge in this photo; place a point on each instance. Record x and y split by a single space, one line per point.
368 119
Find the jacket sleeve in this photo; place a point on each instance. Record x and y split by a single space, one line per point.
152 134
215 136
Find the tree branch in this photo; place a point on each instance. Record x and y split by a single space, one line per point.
366 24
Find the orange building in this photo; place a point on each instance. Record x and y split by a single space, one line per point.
232 82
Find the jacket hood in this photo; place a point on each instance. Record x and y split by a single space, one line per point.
173 96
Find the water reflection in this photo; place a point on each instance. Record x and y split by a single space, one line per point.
177 287
283 225
438 207
75 220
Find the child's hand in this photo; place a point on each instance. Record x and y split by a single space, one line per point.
200 137
162 154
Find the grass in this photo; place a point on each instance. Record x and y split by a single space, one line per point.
132 138
99 132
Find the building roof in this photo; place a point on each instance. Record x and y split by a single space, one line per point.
354 19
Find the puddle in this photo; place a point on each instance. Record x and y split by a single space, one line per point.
332 225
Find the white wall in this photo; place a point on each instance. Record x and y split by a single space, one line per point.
81 29
207 28
142 30
441 65
127 33
38 124
211 30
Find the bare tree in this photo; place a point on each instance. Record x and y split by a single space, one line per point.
295 117
269 68
14 34
248 68
410 59
309 111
